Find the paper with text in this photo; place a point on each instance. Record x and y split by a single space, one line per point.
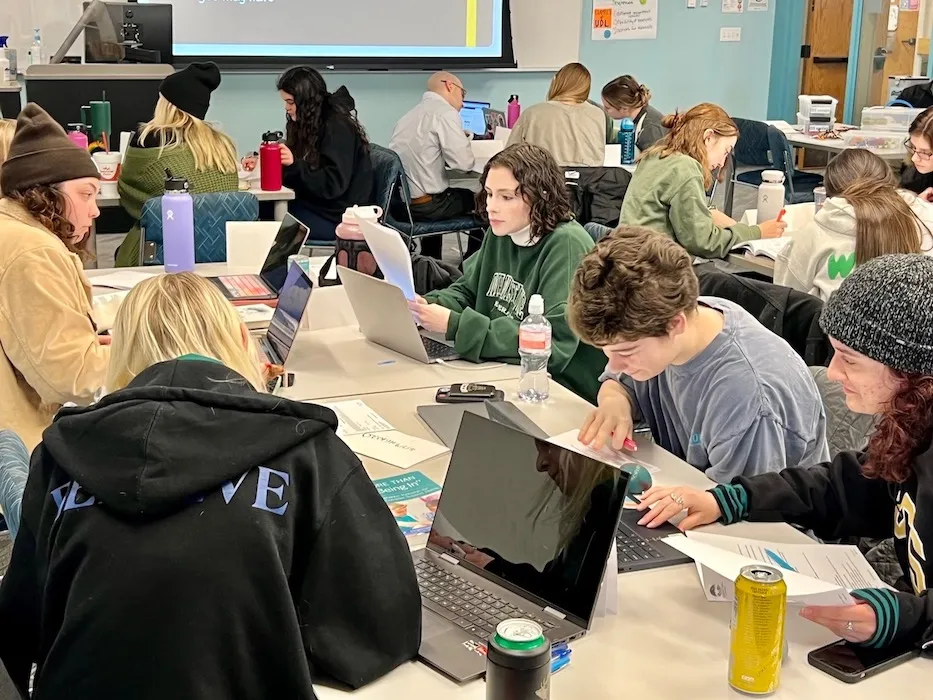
608 456
355 417
395 448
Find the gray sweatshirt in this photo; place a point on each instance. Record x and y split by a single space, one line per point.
745 405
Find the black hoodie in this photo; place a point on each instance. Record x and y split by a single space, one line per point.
222 544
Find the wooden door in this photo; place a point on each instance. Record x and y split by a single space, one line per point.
900 59
829 24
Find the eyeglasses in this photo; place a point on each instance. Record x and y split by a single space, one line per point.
923 155
460 87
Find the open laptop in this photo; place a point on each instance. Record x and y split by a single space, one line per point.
473 118
276 341
268 283
523 528
385 319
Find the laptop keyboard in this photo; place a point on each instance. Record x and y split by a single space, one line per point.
436 349
631 547
475 610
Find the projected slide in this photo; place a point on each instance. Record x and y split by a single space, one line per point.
351 28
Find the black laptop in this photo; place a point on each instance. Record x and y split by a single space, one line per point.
523 529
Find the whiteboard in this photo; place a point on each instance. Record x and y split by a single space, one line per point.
545 33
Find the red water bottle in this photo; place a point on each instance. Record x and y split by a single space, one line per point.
270 162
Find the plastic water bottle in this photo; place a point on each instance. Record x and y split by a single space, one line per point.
177 225
627 140
534 348
35 51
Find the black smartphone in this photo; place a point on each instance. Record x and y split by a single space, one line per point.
467 393
851 663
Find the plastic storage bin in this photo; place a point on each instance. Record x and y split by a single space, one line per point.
888 118
880 142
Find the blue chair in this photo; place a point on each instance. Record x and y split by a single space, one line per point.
212 211
390 190
596 231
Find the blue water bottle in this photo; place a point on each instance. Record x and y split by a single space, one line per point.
177 225
627 139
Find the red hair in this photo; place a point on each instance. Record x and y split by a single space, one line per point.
904 430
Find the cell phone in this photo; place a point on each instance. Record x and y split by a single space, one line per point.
851 663
467 393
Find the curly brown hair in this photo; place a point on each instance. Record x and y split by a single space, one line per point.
540 184
904 431
49 206
631 286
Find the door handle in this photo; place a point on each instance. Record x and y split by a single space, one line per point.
830 59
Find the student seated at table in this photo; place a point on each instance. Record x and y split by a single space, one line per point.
325 154
625 98
668 190
51 353
716 388
191 536
884 360
918 177
429 139
533 245
864 217
7 127
177 139
567 125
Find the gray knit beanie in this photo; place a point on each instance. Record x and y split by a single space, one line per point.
884 310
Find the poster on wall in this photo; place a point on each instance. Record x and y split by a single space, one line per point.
757 5
733 6
625 19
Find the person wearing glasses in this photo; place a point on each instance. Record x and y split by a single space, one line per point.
918 177
429 139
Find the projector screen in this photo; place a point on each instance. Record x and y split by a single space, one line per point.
360 33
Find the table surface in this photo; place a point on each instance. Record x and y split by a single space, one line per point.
754 263
284 194
664 621
798 138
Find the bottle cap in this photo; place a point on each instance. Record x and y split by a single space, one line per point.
536 305
3 40
175 184
271 136
627 123
772 176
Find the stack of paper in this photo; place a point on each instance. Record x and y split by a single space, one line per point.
768 247
255 316
122 279
816 574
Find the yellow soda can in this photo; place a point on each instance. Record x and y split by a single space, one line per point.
757 643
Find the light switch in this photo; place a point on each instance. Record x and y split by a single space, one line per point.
730 34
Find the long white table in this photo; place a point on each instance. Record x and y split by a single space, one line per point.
666 642
831 146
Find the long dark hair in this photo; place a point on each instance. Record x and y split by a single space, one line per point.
904 431
313 105
540 184
49 206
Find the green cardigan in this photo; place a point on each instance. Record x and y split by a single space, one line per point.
143 177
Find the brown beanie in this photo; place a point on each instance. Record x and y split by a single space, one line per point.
41 154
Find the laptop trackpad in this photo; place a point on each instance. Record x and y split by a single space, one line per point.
450 649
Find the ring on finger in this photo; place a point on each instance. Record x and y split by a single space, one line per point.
677 498
850 626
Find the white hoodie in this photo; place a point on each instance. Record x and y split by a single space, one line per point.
822 254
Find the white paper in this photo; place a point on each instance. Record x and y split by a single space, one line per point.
355 418
255 313
483 150
732 6
502 134
606 455
613 155
766 247
624 19
122 279
391 254
757 5
395 448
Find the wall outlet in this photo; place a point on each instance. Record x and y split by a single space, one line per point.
730 34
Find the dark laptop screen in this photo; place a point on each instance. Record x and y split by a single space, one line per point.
288 241
293 299
535 515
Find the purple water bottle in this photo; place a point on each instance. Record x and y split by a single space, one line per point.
177 225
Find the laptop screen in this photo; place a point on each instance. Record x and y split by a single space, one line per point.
529 513
472 117
288 241
293 300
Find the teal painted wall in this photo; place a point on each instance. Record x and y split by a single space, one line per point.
789 19
686 64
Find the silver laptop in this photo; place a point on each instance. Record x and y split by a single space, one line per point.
276 342
385 319
444 419
523 529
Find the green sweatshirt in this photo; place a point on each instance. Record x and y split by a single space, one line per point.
489 302
143 177
667 195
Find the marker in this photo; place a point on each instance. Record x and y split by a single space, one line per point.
781 215
629 444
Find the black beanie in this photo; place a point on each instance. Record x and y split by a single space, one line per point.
190 89
41 154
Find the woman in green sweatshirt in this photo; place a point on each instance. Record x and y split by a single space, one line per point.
668 190
177 139
533 246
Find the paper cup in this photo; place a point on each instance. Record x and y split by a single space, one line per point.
108 165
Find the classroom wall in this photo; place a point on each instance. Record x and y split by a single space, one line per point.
789 21
686 64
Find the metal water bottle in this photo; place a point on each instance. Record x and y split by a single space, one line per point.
627 140
270 162
513 111
177 225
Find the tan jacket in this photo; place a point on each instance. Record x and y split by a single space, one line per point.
574 134
51 354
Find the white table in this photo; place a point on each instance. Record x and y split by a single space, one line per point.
667 642
831 146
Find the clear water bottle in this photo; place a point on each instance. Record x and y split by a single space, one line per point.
534 348
627 139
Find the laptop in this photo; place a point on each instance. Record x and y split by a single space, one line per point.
276 342
444 419
268 283
473 118
385 319
523 528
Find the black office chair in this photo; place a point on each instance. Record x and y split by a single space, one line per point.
390 188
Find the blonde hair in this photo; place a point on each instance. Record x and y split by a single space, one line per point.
570 84
211 149
687 134
168 316
7 127
884 223
625 92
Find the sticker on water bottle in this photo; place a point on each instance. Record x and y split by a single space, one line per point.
531 340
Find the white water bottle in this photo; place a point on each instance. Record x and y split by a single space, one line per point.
534 348
770 195
35 51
